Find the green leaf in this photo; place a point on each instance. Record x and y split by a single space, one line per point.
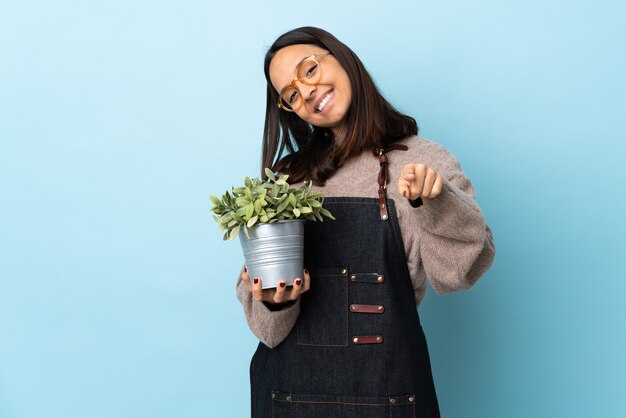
296 212
259 191
326 213
282 206
242 210
252 221
314 203
258 205
306 209
234 232
226 218
249 211
215 200
247 182
270 175
242 201
292 200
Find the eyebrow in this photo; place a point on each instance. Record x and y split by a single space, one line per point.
304 59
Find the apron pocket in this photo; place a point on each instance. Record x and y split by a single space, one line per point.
286 405
323 319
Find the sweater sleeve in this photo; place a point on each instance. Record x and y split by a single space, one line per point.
455 245
271 327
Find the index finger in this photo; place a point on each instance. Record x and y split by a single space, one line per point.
245 277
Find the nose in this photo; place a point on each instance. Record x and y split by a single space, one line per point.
306 90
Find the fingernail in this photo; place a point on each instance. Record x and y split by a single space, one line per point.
256 280
245 268
404 193
282 284
306 271
298 282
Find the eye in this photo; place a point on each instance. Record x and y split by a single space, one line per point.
292 96
311 71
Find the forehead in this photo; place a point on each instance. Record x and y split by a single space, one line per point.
283 65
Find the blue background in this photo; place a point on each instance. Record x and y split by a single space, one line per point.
119 119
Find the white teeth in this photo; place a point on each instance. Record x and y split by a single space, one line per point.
323 103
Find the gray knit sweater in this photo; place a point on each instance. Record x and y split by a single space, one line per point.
446 240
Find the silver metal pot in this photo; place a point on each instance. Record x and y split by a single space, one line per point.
275 252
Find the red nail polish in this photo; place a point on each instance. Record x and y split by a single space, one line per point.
245 268
282 284
256 280
298 282
306 271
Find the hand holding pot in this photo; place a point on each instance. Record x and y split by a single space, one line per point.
280 294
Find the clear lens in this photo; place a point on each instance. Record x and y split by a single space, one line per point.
309 71
290 98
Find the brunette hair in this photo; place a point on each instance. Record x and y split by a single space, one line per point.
307 152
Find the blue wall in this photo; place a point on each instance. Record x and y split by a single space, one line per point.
119 119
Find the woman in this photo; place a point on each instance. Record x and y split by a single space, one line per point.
346 341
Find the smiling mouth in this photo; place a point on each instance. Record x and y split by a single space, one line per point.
324 101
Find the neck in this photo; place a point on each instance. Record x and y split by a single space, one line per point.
339 132
339 140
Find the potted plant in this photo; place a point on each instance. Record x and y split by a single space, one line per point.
271 216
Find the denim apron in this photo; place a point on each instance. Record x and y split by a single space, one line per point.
357 349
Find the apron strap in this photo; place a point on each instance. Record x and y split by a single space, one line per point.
383 177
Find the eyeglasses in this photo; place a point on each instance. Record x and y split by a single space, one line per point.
308 72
